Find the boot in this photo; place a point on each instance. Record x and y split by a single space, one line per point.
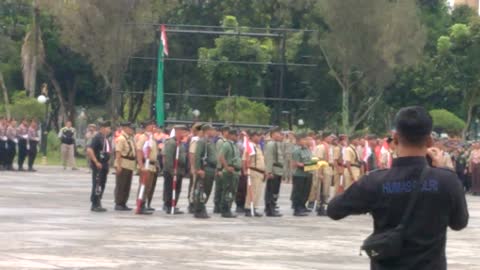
191 209
311 205
248 212
228 214
216 209
240 210
202 215
321 211
300 212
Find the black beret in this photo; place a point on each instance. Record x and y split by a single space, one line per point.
105 124
275 129
206 127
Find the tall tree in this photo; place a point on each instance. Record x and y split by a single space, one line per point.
363 44
104 32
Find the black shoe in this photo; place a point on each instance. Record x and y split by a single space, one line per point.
149 208
21 169
32 170
216 210
240 210
273 214
98 209
144 211
248 212
176 211
127 208
122 208
228 215
304 209
300 213
191 209
202 215
321 211
311 205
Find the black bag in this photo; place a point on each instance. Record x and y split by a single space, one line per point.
389 244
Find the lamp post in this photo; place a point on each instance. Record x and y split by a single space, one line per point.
477 122
301 123
196 114
43 99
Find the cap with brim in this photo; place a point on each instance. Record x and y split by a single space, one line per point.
105 124
180 127
302 135
275 130
92 125
197 127
148 123
126 124
233 132
225 128
206 127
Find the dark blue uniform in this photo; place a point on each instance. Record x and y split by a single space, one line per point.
385 194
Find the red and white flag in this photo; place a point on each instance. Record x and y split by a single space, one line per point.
248 146
163 32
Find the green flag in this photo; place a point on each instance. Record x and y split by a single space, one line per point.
162 51
159 104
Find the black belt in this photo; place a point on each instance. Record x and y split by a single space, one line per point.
257 170
129 158
153 163
356 166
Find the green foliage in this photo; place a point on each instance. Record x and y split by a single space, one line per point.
444 120
241 110
24 107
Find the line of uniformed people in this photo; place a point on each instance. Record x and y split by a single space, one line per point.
216 161
19 141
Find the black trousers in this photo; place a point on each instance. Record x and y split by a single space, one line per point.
300 191
99 177
271 192
22 152
241 191
32 153
11 153
168 186
3 153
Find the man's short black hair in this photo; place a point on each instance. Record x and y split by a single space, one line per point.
414 125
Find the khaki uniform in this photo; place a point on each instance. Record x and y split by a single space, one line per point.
191 152
152 168
257 177
351 156
126 151
323 152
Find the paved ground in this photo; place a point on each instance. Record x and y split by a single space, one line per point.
46 224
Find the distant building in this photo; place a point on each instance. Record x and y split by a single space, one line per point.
475 4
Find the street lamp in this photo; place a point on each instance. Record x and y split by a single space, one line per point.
43 99
196 114
301 122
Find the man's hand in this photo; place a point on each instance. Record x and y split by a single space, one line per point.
437 157
230 169
201 173
269 176
98 165
118 169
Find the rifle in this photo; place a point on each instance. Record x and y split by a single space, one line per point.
174 186
144 174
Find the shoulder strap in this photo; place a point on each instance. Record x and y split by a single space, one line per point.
276 151
356 154
414 197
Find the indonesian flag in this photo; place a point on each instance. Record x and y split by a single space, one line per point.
147 147
163 32
367 152
248 146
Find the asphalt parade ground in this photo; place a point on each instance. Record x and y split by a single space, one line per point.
46 223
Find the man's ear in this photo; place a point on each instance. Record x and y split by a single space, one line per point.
429 141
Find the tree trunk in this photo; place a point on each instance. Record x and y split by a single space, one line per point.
58 90
346 108
471 107
139 105
71 100
6 100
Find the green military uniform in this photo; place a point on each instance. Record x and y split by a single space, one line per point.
302 181
205 160
169 153
229 180
217 196
274 164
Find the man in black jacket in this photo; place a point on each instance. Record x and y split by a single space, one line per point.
385 194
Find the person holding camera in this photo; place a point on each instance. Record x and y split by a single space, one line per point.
99 152
412 204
